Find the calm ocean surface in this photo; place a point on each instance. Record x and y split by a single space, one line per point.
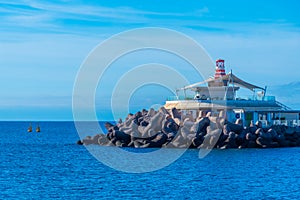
50 165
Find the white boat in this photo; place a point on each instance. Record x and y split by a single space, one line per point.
219 93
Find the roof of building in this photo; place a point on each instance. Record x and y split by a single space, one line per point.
230 78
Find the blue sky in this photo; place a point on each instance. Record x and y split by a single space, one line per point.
43 44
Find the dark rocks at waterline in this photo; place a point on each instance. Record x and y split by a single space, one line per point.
156 129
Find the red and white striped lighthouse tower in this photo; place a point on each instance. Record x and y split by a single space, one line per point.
220 68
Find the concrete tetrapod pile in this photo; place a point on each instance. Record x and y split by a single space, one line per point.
156 129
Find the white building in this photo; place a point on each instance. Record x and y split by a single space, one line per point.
220 93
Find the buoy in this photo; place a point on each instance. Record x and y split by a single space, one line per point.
29 128
38 129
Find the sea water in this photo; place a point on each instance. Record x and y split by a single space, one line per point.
50 165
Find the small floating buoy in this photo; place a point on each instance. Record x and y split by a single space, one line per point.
38 129
29 128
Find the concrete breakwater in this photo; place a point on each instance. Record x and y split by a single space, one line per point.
155 129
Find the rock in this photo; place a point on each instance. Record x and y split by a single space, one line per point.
122 136
252 129
138 144
109 144
169 125
230 141
157 142
163 111
252 144
157 129
237 128
251 137
118 143
155 125
197 141
103 140
182 137
264 138
175 114
132 130
222 139
87 140
79 142
95 138
202 125
261 142
272 133
259 132
241 138
109 126
211 139
258 124
274 144
290 130
213 123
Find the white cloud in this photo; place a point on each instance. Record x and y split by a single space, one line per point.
38 14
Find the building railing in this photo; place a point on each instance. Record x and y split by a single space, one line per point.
292 123
174 98
264 123
249 98
296 122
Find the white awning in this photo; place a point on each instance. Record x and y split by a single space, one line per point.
230 78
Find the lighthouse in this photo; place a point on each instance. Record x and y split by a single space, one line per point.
220 69
219 73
